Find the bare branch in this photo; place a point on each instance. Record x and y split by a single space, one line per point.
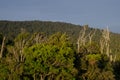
90 35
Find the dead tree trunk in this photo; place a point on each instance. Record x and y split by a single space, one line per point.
105 42
82 38
102 45
91 34
2 47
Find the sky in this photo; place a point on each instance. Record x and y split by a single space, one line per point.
95 13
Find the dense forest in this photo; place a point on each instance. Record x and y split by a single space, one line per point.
44 50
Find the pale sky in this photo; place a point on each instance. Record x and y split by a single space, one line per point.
95 13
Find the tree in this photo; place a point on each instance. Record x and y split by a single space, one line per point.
52 60
105 42
15 57
82 38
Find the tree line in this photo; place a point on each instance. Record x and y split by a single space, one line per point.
12 28
38 56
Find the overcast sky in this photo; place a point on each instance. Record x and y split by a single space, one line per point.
95 13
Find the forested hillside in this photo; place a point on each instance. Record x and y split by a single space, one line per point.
12 28
39 50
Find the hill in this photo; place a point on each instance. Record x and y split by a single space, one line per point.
12 28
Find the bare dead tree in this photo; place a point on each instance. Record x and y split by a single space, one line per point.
114 59
19 43
82 38
39 37
111 57
102 45
105 42
90 35
106 35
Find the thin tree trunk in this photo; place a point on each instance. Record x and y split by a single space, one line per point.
34 77
81 38
2 47
41 77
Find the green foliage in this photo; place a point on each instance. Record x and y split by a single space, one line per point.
54 57
93 58
3 71
95 67
92 65
52 60
12 28
93 48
